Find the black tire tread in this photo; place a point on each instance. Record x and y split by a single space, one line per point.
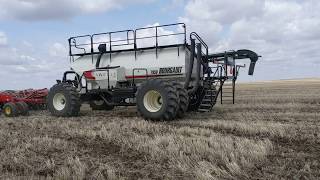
23 108
183 99
173 102
14 109
74 100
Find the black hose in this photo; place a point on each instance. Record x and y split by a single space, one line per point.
198 70
98 60
240 54
252 56
191 61
102 49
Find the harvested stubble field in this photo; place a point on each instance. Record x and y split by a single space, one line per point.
271 133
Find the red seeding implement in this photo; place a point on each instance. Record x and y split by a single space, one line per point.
14 103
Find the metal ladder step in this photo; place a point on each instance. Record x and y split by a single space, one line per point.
227 101
206 105
203 110
208 100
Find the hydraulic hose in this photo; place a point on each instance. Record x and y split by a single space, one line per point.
98 60
252 56
191 62
240 54
198 70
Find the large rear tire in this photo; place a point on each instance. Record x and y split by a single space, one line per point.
10 110
100 105
157 100
183 99
63 100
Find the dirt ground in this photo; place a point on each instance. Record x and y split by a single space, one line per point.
272 132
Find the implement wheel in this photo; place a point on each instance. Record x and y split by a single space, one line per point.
23 108
10 110
157 100
63 100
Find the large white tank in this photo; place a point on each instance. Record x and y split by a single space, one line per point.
170 62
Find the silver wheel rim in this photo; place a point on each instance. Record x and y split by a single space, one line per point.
152 101
59 101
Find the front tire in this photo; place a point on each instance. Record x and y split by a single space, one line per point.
157 100
63 100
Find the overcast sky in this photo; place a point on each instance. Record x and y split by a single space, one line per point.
34 33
